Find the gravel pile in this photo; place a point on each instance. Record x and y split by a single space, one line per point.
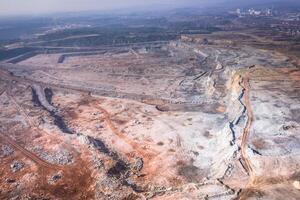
56 177
6 150
62 157
17 166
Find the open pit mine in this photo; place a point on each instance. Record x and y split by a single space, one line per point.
181 119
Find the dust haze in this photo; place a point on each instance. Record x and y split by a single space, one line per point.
18 7
150 100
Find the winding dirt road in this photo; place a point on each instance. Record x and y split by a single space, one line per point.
27 153
20 109
145 153
247 129
30 155
244 144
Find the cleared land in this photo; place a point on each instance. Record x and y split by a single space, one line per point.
178 119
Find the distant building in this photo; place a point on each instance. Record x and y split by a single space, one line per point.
268 12
254 12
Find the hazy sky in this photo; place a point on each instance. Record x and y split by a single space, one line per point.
32 7
19 7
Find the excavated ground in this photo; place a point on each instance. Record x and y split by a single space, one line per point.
182 120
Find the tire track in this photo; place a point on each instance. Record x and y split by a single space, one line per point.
1 92
28 154
246 192
20 110
247 129
32 126
145 153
